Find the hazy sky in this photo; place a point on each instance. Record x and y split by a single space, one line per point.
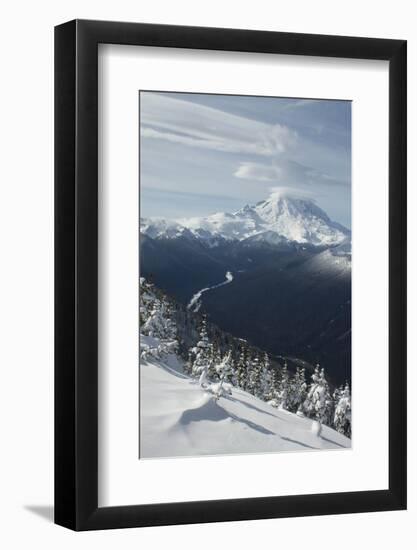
202 154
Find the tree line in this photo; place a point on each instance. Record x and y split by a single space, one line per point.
220 362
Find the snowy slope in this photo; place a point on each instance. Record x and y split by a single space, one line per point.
289 218
330 262
179 418
299 220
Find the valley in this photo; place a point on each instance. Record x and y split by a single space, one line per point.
290 293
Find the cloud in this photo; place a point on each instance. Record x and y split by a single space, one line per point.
258 172
293 192
194 125
287 172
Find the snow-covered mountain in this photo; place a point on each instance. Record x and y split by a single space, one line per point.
290 287
280 218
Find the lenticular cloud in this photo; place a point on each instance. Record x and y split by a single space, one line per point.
200 126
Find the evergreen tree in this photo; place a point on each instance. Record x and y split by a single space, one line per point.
274 388
254 376
155 313
318 403
241 368
283 388
154 325
203 356
342 414
297 391
215 361
224 370
146 299
170 328
266 388
337 393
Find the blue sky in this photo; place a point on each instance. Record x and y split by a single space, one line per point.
202 153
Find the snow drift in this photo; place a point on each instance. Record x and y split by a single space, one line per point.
179 418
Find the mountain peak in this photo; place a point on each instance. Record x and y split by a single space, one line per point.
282 199
291 217
299 219
278 205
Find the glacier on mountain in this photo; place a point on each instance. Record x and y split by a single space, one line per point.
280 218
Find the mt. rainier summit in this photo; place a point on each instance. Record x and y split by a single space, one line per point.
278 219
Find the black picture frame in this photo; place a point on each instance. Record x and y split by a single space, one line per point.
76 272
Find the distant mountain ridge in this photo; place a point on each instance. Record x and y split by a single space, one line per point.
290 287
280 218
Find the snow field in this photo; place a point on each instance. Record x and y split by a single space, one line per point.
179 418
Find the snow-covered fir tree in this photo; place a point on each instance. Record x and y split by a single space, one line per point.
297 391
266 379
224 370
241 368
254 376
342 413
282 395
275 378
157 322
318 403
144 299
337 393
202 356
215 361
